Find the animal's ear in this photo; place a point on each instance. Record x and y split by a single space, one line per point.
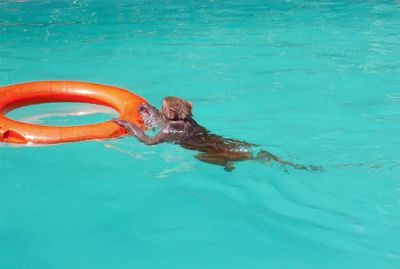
190 104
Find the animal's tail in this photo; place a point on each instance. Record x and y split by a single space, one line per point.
267 157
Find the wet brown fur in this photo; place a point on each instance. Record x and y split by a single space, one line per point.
177 126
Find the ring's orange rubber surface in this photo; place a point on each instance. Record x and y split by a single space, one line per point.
17 95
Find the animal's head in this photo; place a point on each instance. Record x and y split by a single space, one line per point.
174 108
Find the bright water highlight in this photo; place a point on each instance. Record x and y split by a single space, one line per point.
315 82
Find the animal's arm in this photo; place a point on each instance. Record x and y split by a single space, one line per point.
138 132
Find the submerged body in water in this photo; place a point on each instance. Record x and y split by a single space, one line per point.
176 125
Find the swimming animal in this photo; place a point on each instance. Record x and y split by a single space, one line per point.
176 125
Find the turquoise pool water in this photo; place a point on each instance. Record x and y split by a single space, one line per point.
316 82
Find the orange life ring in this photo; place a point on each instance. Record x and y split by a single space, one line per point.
17 95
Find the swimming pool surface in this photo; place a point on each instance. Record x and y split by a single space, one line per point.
316 82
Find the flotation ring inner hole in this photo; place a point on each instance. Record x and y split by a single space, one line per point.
62 113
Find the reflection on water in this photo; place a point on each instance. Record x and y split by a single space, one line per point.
63 114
